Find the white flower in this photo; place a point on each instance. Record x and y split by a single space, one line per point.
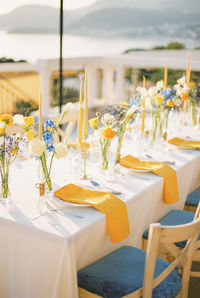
68 107
176 87
18 119
159 85
1 141
99 132
108 120
37 147
181 81
177 102
152 92
60 150
142 91
132 110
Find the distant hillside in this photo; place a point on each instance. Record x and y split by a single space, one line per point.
110 19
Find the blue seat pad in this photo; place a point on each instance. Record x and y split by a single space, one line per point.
193 198
122 272
174 218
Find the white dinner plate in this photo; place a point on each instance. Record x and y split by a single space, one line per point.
140 171
186 148
60 203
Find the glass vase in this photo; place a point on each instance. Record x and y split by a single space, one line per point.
104 161
46 172
5 191
119 145
157 126
194 114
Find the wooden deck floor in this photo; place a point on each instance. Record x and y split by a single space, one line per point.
194 286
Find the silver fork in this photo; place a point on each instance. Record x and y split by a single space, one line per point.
68 212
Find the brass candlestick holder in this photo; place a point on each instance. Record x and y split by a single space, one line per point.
85 176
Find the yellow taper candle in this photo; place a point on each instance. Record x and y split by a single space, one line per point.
85 131
188 71
80 123
85 128
40 117
165 77
143 107
187 82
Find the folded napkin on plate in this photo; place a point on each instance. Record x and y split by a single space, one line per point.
114 208
160 169
184 143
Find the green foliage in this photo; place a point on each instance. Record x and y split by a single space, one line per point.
170 46
175 46
70 94
10 60
155 75
24 107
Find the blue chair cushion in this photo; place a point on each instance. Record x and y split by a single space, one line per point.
193 198
174 218
122 272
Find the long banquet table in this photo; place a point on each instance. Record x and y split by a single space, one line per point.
39 258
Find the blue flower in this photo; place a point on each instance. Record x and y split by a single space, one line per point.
51 124
48 138
50 148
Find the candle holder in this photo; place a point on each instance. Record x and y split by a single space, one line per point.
85 176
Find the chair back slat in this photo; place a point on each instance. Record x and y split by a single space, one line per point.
159 235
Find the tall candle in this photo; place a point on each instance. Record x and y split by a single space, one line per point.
143 107
80 123
187 82
165 77
40 117
188 71
85 132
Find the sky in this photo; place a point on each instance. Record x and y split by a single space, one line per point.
9 5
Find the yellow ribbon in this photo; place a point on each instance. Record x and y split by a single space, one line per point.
114 208
184 143
160 169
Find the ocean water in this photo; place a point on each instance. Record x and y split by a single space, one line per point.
45 46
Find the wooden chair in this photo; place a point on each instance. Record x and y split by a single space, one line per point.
69 121
169 252
192 200
132 272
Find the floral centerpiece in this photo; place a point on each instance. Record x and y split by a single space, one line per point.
104 124
161 101
193 101
187 93
114 119
44 150
11 145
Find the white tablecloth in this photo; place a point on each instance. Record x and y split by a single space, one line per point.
40 258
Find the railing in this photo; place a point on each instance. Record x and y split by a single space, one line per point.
10 95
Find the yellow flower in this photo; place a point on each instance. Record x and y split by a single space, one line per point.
93 122
159 100
29 120
184 96
14 152
170 103
6 119
124 105
108 133
192 84
30 135
2 131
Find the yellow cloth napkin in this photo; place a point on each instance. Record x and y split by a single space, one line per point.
184 143
160 169
114 208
